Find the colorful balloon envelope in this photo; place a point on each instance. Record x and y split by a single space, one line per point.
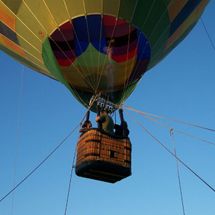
95 46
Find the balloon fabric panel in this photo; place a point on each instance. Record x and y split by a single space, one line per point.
95 46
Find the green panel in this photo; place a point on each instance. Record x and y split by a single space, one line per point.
142 12
91 57
161 54
160 31
127 9
51 63
129 90
159 46
167 2
158 49
153 19
82 97
180 39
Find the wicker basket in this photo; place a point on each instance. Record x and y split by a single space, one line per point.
103 157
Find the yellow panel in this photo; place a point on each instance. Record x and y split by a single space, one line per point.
111 7
45 72
175 8
75 8
11 45
7 17
26 16
187 23
122 72
40 68
93 7
35 61
24 33
42 13
26 46
58 10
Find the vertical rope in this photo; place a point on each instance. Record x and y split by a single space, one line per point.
178 171
18 135
70 182
207 33
107 56
99 57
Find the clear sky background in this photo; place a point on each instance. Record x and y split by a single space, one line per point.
36 113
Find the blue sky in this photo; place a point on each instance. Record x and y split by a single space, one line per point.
36 113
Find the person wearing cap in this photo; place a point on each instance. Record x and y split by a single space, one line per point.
86 126
106 121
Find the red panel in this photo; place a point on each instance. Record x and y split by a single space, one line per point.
125 57
65 62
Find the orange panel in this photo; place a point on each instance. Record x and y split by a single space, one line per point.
180 31
175 8
11 45
7 17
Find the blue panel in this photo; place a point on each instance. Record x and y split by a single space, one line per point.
7 32
81 35
144 50
182 16
96 32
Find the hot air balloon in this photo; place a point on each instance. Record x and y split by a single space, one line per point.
99 49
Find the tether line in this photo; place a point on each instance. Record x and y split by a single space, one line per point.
176 157
38 166
165 125
70 183
208 34
169 119
178 171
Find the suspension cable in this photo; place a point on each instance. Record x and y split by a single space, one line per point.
175 156
48 156
73 161
70 182
207 33
18 133
178 171
165 125
38 166
169 119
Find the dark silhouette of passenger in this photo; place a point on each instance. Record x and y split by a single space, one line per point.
121 130
86 126
107 124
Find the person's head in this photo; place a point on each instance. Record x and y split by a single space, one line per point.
88 124
103 111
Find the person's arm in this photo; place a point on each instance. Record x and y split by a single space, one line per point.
97 118
100 119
